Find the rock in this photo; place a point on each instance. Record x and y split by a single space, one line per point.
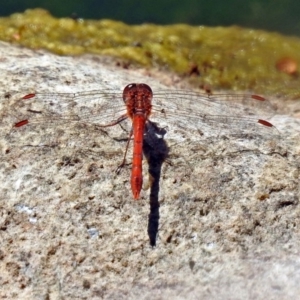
228 221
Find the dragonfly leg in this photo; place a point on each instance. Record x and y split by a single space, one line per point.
119 120
125 153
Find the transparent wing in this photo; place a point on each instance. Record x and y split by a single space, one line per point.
227 113
176 110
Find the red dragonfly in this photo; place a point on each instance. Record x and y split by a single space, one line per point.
231 113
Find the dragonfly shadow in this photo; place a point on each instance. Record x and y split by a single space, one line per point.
156 151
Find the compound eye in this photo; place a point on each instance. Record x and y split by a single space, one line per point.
144 86
128 88
136 88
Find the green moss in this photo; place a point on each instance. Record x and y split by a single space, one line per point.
231 57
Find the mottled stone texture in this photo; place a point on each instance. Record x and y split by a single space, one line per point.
228 224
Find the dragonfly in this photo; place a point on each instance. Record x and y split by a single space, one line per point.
191 111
